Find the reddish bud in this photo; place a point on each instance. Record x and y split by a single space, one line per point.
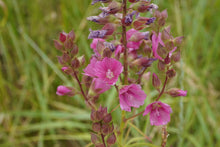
96 127
170 45
63 36
107 118
111 139
71 35
81 60
110 27
164 14
174 92
166 33
100 145
176 57
58 45
156 81
66 70
75 50
178 40
94 138
75 63
171 73
133 1
167 59
66 57
161 66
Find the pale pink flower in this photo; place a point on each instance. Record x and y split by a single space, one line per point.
131 44
99 86
63 90
131 96
64 68
156 40
95 42
159 113
108 70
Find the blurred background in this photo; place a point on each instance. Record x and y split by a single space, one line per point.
31 114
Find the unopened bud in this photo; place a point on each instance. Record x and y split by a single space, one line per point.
171 73
156 81
166 33
99 145
71 35
66 70
81 60
68 44
178 40
102 1
111 139
164 14
107 53
63 36
110 46
167 59
107 129
161 66
107 118
94 138
97 34
170 45
110 28
75 50
174 92
96 127
75 63
176 57
66 57
58 45
60 60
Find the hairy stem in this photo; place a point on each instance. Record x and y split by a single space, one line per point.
124 41
103 140
162 91
83 93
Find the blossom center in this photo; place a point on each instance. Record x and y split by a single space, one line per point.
109 74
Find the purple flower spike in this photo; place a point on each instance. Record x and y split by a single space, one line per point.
131 96
97 34
174 92
159 113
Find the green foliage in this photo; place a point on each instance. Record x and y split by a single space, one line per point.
31 114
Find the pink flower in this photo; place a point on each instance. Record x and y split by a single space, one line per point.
90 69
156 40
159 113
131 44
95 42
99 86
108 70
174 92
119 50
131 96
63 90
64 68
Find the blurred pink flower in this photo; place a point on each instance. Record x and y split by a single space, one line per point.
63 90
99 86
174 92
64 68
131 44
156 40
108 70
95 42
159 113
131 96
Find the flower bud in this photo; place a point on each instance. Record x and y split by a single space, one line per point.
110 28
75 50
178 40
111 139
87 80
102 1
138 36
128 19
63 36
68 44
167 59
60 60
58 45
107 118
171 73
176 57
143 6
94 138
174 92
166 34
156 81
71 35
144 61
170 45
75 63
66 57
63 90
81 60
107 53
96 127
112 8
161 66
66 70
99 145
107 129
110 46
